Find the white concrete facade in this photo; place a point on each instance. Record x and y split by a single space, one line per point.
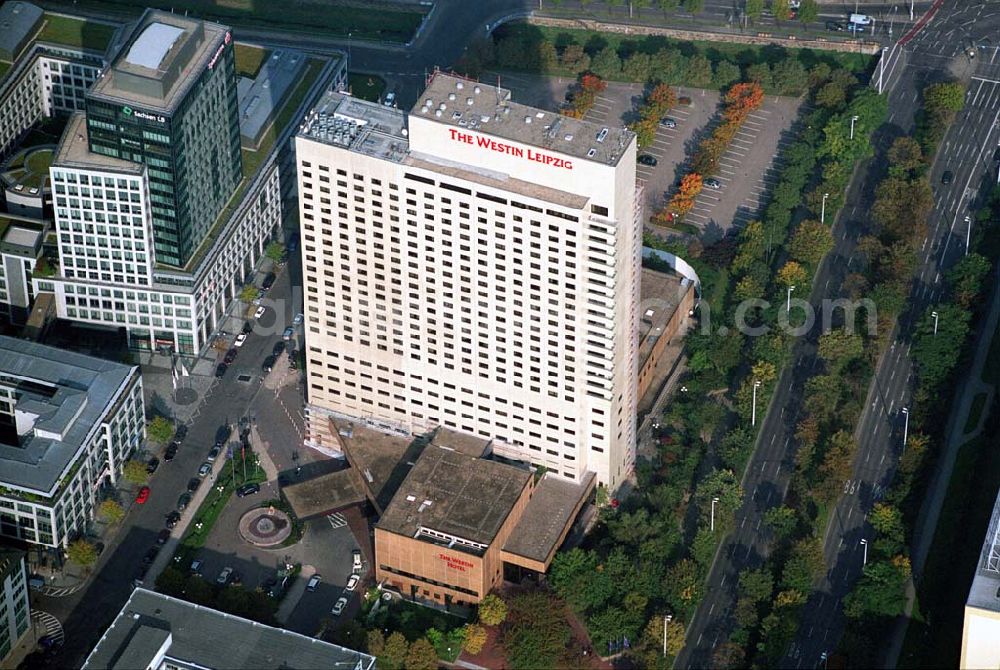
490 286
15 611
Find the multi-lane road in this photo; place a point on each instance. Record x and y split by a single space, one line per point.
938 51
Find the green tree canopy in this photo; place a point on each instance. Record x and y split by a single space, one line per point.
135 472
492 610
111 511
82 552
159 430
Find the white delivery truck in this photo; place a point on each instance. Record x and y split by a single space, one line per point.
861 19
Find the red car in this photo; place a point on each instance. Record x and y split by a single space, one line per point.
143 495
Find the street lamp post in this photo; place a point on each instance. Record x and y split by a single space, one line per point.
853 119
666 620
906 425
788 298
968 233
864 543
712 525
753 410
881 67
822 209
935 315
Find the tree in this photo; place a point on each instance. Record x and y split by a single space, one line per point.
537 633
699 71
574 58
636 67
966 278
82 552
831 96
839 348
694 6
944 100
548 59
810 242
782 521
726 72
606 63
888 523
792 274
661 98
375 642
808 11
905 154
135 472
836 467
782 9
249 293
667 5
754 8
111 511
757 585
675 636
160 430
275 251
492 610
790 77
937 355
805 563
881 591
683 584
421 656
394 654
631 528
475 638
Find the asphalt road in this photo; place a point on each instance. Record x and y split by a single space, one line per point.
966 152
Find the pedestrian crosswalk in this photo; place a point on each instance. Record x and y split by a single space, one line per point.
337 520
51 625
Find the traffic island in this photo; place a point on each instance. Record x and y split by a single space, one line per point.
265 527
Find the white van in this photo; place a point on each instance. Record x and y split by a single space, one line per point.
861 19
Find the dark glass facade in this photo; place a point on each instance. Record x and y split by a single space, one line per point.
193 155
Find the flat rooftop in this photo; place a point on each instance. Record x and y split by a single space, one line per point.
451 492
197 636
67 394
548 517
74 150
259 99
160 60
459 102
383 460
17 21
659 295
986 582
324 494
359 125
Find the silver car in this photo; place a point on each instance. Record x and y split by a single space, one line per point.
338 607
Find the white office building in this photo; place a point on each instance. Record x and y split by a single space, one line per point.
473 264
68 423
15 612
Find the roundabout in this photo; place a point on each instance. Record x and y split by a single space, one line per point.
265 527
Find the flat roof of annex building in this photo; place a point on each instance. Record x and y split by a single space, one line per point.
986 581
450 491
160 60
80 389
197 636
469 105
17 19
74 151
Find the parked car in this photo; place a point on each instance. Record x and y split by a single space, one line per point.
150 555
712 183
352 582
646 159
835 26
180 432
247 490
205 468
152 464
171 452
220 370
230 356
268 363
49 642
143 495
163 536
193 484
240 339
313 582
287 335
278 347
338 607
860 19
357 560
172 519
196 566
390 99
268 281
293 242
184 500
299 318
213 453
668 122
247 327
259 312
947 177
224 576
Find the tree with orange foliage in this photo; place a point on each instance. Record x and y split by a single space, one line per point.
661 98
683 200
741 99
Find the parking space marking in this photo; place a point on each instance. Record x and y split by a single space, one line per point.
337 520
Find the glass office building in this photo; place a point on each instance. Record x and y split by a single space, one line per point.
169 101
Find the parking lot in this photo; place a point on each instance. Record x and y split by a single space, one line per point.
747 170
